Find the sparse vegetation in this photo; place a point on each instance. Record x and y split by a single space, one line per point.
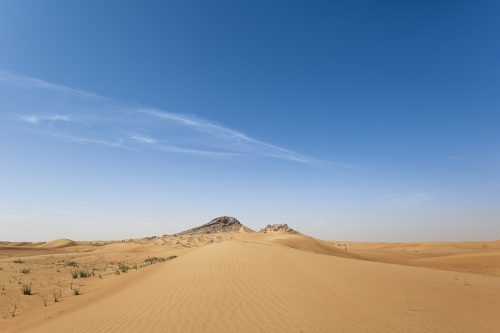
57 294
72 263
54 287
81 273
14 308
5 314
124 268
154 260
84 273
26 289
76 291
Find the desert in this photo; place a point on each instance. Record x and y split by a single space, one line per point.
185 166
224 277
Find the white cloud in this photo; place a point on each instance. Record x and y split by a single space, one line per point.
37 119
100 120
31 82
178 149
84 140
143 139
221 132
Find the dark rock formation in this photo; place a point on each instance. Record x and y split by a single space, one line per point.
279 228
219 224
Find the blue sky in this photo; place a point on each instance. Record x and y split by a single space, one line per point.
354 120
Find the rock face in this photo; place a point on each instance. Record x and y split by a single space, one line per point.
219 224
279 228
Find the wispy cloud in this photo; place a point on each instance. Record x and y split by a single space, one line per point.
143 139
116 124
245 142
177 149
23 81
119 143
36 119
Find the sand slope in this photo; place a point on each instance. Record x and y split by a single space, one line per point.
253 285
306 243
59 243
468 257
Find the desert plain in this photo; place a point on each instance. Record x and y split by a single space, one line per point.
232 279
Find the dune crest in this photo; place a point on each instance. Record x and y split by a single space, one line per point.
59 243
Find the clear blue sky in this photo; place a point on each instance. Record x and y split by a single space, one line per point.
364 120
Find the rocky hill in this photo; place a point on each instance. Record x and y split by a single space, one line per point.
219 224
279 228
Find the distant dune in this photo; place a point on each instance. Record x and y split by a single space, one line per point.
59 243
309 244
468 257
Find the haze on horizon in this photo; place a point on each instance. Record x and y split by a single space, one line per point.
346 120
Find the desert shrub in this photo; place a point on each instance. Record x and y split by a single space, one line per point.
154 260
26 289
124 268
74 273
72 263
18 261
25 270
57 294
84 273
80 273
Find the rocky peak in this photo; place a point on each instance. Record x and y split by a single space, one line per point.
278 228
219 224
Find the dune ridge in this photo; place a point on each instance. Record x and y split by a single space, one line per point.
59 243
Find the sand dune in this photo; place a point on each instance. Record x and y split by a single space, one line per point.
310 244
250 282
59 243
468 257
251 287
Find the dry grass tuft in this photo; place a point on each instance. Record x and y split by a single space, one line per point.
26 289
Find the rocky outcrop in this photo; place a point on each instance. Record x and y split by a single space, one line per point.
279 228
219 224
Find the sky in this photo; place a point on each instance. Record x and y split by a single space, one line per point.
352 120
